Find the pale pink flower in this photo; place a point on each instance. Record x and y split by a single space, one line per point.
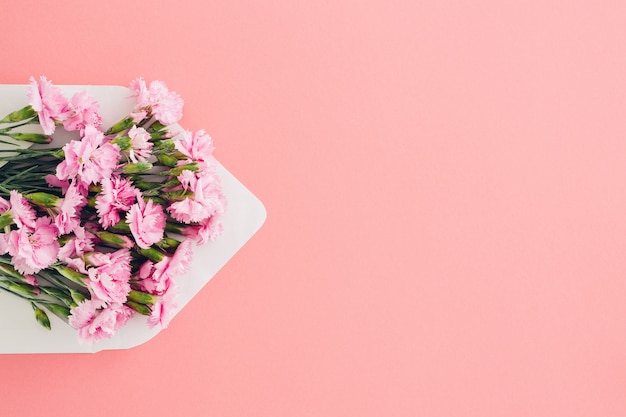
138 115
54 182
95 320
31 279
156 278
117 195
167 106
147 222
68 210
197 147
4 243
35 250
207 200
163 308
109 275
22 212
4 205
141 147
71 253
84 112
208 229
49 103
169 109
89 159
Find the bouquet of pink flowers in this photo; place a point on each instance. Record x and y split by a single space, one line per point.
101 229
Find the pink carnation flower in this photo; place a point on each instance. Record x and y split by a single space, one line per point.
163 309
68 210
35 250
141 147
208 229
89 159
109 274
167 106
208 199
22 212
95 320
4 205
147 222
157 278
71 253
197 147
4 243
84 111
118 195
49 103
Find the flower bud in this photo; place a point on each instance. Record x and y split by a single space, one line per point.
152 254
43 200
193 167
119 241
58 310
167 160
137 168
123 124
72 275
142 297
22 114
6 219
41 316
123 142
142 309
31 137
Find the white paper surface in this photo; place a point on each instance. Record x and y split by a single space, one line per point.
245 214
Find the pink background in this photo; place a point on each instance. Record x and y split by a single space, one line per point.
446 192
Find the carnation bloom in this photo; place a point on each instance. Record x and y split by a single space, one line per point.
71 253
147 222
68 210
88 159
208 199
84 111
117 195
49 103
4 205
163 308
141 147
35 250
167 106
95 320
54 181
22 212
208 229
197 147
109 274
157 278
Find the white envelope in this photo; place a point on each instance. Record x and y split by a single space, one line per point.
245 214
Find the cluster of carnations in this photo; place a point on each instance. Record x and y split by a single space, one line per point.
99 230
